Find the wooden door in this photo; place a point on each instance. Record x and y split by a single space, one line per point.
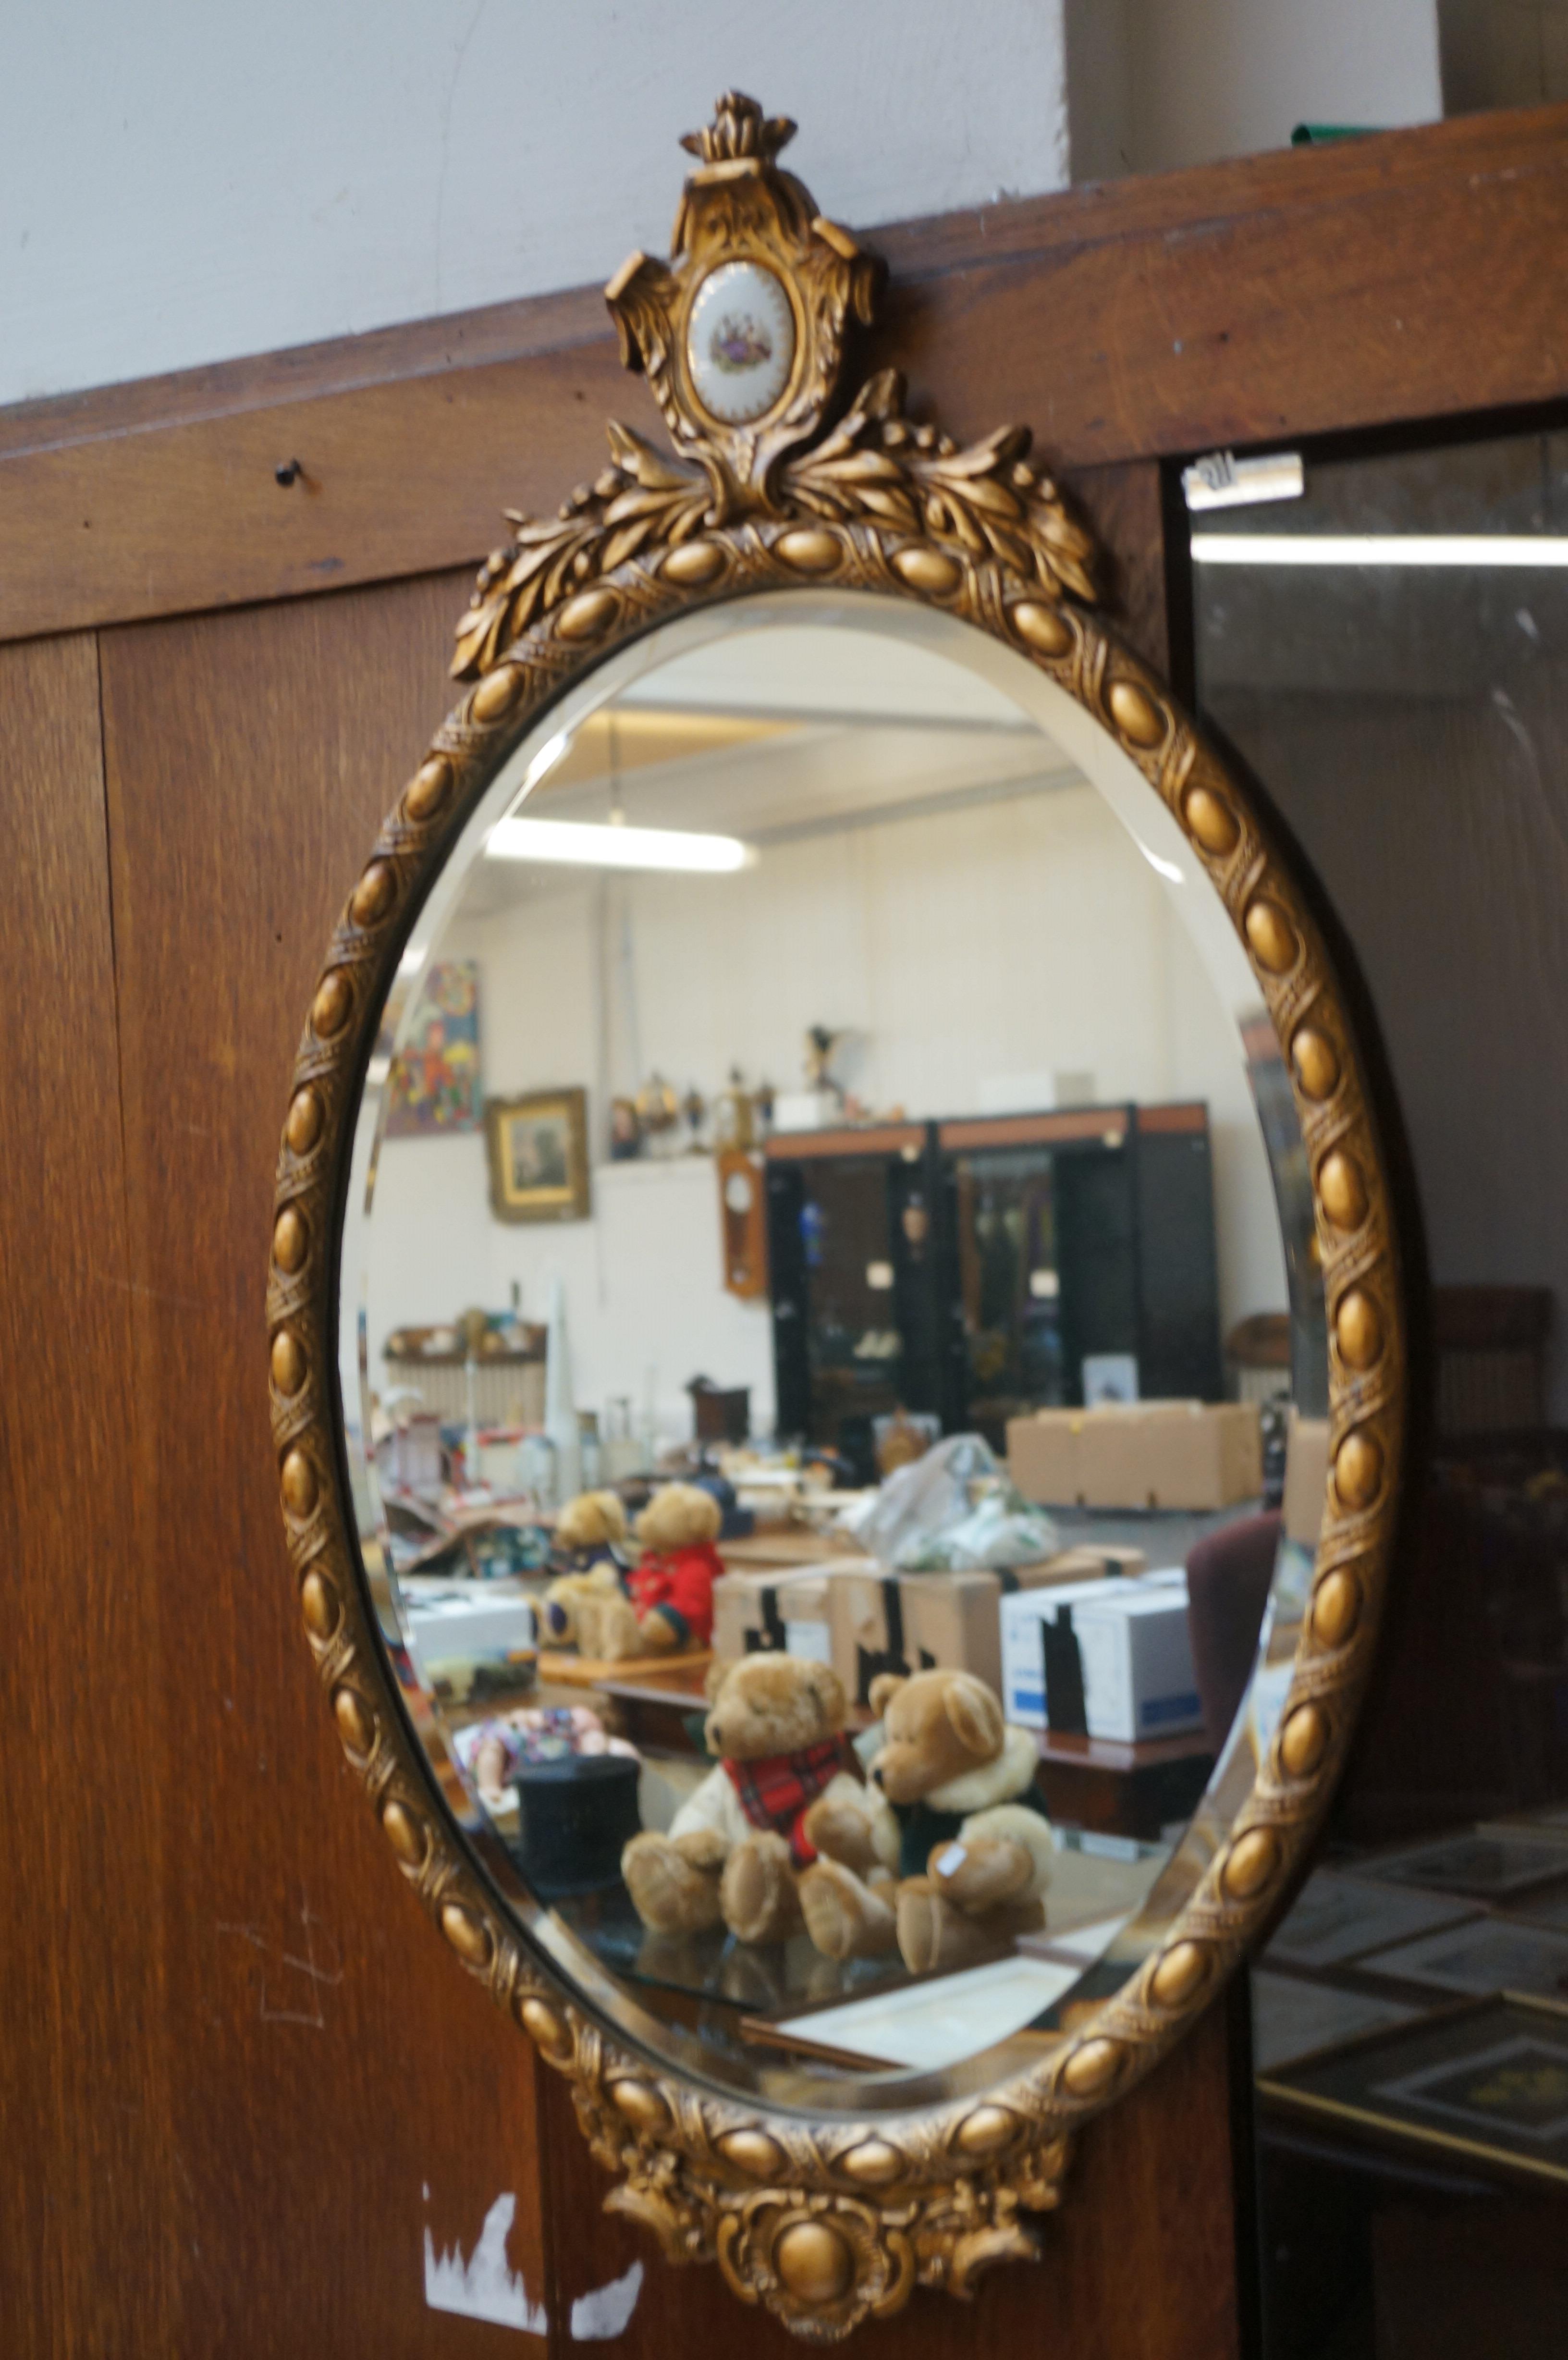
249 2101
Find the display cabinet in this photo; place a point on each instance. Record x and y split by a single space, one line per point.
973 1268
1079 1237
857 1283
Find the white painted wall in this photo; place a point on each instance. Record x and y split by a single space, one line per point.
1026 936
1213 78
183 182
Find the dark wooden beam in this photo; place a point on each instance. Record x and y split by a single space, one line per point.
1416 274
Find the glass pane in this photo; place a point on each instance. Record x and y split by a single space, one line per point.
1403 704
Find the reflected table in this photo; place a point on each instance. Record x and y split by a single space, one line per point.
738 1995
709 1982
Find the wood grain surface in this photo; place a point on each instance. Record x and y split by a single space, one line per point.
93 2189
1416 273
332 2091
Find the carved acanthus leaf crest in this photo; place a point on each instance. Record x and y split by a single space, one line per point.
983 502
876 467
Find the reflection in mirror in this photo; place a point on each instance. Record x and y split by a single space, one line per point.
832 1353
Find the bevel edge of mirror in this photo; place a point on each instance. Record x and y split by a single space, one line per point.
1040 705
1125 2039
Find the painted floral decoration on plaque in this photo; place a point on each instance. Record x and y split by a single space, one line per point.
740 342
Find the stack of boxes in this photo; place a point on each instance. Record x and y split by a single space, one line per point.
863 1619
1161 1454
1088 1641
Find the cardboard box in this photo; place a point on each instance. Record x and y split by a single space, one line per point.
1042 1455
786 1609
906 1622
807 1615
466 1622
1306 1478
745 1613
1088 1561
787 1551
1025 1617
1137 1663
866 1617
1189 1455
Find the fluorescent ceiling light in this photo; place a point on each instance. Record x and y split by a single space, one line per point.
1519 548
584 845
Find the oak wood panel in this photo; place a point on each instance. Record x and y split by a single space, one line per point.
1417 273
1139 2264
92 2206
337 2088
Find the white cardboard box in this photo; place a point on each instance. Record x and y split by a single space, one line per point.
1132 1646
1139 1680
1023 1652
466 1622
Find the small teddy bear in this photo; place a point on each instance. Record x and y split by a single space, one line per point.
787 1779
591 1534
669 1600
974 1853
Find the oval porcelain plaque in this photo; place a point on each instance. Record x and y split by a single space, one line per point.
740 342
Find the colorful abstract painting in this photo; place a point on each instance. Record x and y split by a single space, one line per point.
433 1087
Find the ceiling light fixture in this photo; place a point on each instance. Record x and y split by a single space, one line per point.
584 845
1477 548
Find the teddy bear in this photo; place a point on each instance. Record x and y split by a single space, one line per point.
669 1598
590 1536
787 1780
975 1847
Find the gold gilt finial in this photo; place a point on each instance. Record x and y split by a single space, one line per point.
739 129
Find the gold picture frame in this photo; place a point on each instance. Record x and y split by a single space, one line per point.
538 1149
1473 2079
830 2220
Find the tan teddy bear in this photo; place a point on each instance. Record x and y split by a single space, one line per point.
590 1531
975 1842
785 1782
668 1598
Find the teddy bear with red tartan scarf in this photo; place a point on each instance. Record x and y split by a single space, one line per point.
787 1785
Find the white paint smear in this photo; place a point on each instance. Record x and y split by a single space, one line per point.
483 2286
596 2317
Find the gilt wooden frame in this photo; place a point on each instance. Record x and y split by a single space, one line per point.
830 2221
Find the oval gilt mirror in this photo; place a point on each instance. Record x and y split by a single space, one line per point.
836 1340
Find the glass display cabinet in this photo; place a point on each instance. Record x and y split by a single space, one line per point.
856 1285
1078 1242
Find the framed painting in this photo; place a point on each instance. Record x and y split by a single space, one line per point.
539 1156
1488 2080
433 1084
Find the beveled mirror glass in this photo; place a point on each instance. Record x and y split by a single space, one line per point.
828 1173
